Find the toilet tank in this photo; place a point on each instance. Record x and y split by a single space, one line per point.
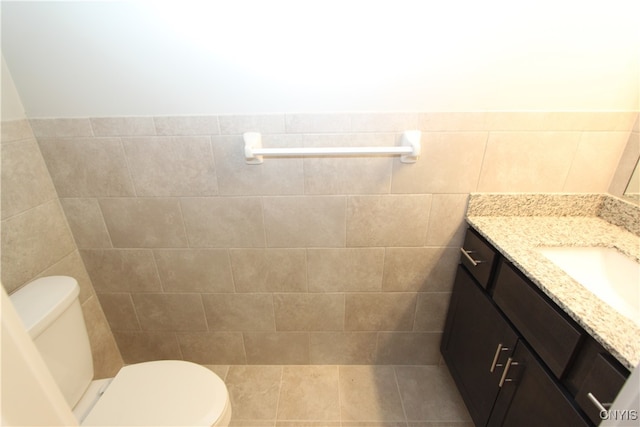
50 310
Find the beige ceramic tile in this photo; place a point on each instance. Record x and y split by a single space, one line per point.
308 123
263 123
25 179
187 125
446 220
269 270
194 270
380 311
144 223
86 223
280 423
275 176
120 312
408 348
374 424
369 393
254 391
383 122
450 162
387 220
595 160
219 370
72 265
61 128
309 393
342 348
123 126
171 166
627 165
429 393
345 269
87 167
170 312
107 360
252 423
32 242
121 270
207 348
277 348
311 221
527 161
344 174
224 222
239 312
420 269
14 130
431 311
454 121
309 312
139 347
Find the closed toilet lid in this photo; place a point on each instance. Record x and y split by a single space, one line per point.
161 393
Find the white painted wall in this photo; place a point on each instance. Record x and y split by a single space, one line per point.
12 108
239 56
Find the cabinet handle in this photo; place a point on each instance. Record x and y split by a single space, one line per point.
602 407
504 378
496 357
467 253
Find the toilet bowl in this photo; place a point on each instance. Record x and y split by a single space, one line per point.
158 393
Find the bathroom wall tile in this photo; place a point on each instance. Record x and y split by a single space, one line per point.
219 370
344 175
269 270
369 393
447 226
420 269
224 222
597 156
33 241
308 221
263 123
120 312
380 311
527 161
122 126
309 393
431 311
121 270
383 424
453 121
239 312
144 223
254 391
61 128
276 176
345 269
25 179
187 125
87 167
15 130
408 348
342 348
383 122
171 166
387 220
107 360
450 162
255 423
170 312
625 168
139 347
193 270
213 348
72 265
86 222
309 312
311 123
277 348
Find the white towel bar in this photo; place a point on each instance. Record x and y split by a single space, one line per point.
409 149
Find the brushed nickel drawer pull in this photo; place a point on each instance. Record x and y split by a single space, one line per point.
466 253
504 378
497 356
602 407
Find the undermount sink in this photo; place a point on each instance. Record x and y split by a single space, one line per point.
609 274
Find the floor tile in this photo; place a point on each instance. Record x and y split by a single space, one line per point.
220 370
369 393
254 391
309 392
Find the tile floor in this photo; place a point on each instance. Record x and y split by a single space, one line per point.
343 396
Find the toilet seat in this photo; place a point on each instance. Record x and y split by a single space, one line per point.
161 393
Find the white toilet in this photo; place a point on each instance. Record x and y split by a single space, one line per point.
159 393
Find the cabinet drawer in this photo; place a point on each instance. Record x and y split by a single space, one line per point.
603 382
478 257
550 333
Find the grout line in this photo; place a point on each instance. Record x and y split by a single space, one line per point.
395 376
339 396
279 393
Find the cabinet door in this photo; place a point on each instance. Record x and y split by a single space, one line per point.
529 396
476 339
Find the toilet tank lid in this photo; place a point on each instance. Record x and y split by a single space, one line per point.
40 302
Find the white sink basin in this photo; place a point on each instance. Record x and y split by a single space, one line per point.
610 275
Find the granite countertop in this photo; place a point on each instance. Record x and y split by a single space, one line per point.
517 230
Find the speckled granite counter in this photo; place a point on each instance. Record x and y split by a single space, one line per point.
517 224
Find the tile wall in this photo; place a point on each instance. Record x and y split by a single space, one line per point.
36 239
196 255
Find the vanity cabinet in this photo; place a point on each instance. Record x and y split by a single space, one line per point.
516 357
